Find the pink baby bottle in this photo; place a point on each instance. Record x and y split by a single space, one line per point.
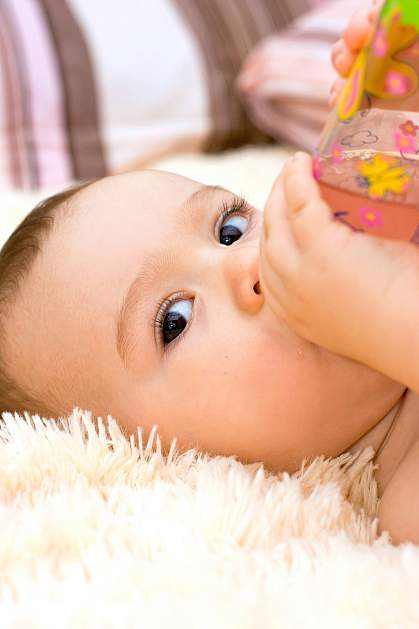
367 163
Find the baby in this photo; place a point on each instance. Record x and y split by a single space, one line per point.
273 337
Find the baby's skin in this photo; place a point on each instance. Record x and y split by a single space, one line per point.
249 334
357 296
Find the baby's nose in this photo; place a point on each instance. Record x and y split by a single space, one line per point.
242 273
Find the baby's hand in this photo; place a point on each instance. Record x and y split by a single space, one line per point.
333 286
346 50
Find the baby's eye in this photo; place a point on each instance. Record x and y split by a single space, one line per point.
232 229
174 319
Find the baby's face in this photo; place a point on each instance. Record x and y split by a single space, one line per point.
145 304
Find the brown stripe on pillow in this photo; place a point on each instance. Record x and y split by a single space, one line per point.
228 120
28 175
282 12
233 30
226 33
271 15
82 118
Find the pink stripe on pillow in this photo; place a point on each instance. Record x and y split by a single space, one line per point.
290 73
5 146
12 125
46 106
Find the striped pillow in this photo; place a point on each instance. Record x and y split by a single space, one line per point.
285 82
91 87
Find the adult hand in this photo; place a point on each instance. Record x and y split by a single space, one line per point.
346 49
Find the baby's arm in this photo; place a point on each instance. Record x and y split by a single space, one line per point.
354 294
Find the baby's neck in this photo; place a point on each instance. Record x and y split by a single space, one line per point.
392 437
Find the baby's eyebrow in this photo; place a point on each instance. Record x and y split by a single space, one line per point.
199 198
141 286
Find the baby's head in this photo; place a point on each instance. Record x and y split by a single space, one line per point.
139 296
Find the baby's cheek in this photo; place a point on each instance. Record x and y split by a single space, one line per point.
240 395
251 375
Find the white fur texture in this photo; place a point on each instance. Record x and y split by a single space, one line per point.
98 530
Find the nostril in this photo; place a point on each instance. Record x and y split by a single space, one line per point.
257 288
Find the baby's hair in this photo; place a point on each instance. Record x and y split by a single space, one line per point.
17 257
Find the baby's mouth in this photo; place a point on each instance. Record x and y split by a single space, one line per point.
257 288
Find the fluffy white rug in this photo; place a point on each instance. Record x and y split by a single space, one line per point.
100 530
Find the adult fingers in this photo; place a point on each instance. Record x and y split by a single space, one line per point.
375 10
342 58
358 29
355 36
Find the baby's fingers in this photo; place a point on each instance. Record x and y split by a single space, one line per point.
278 241
279 251
308 213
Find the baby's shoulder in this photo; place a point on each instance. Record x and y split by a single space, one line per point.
399 506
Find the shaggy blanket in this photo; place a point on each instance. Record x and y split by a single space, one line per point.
100 529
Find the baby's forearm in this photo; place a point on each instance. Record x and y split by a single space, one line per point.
395 332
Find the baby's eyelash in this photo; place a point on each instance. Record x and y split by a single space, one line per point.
236 205
162 308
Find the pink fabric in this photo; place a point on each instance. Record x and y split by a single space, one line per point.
74 108
46 112
291 72
12 126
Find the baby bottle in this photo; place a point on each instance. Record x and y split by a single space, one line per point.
367 163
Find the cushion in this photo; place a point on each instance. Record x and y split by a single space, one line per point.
285 81
97 87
